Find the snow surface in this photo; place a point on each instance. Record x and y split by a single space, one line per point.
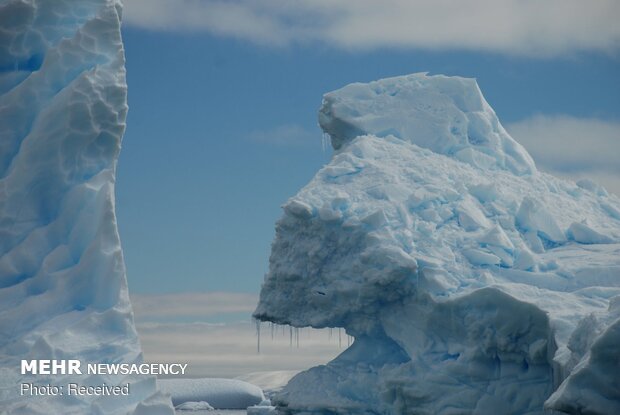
63 291
472 282
219 393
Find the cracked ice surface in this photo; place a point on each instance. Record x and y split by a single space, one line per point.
472 282
63 292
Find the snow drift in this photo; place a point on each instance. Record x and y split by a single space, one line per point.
63 292
472 282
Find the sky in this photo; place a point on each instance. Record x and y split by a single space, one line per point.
222 126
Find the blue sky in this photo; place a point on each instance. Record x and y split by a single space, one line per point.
223 99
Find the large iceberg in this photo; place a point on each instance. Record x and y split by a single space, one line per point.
63 292
471 281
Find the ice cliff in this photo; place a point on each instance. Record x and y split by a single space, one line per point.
472 282
63 292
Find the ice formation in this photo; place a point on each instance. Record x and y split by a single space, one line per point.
63 292
472 282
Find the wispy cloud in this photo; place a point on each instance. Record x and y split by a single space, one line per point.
573 147
286 135
513 26
192 306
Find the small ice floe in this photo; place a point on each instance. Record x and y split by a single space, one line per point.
262 408
194 406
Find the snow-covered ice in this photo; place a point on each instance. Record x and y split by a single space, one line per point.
471 281
63 292
219 393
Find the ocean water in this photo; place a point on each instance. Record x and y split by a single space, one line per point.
214 412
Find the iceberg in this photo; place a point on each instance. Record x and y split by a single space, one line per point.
63 290
471 281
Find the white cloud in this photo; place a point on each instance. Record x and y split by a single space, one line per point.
526 27
572 147
286 135
229 350
196 306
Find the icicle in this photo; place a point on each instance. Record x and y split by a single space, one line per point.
297 336
290 331
272 326
258 336
330 334
325 142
